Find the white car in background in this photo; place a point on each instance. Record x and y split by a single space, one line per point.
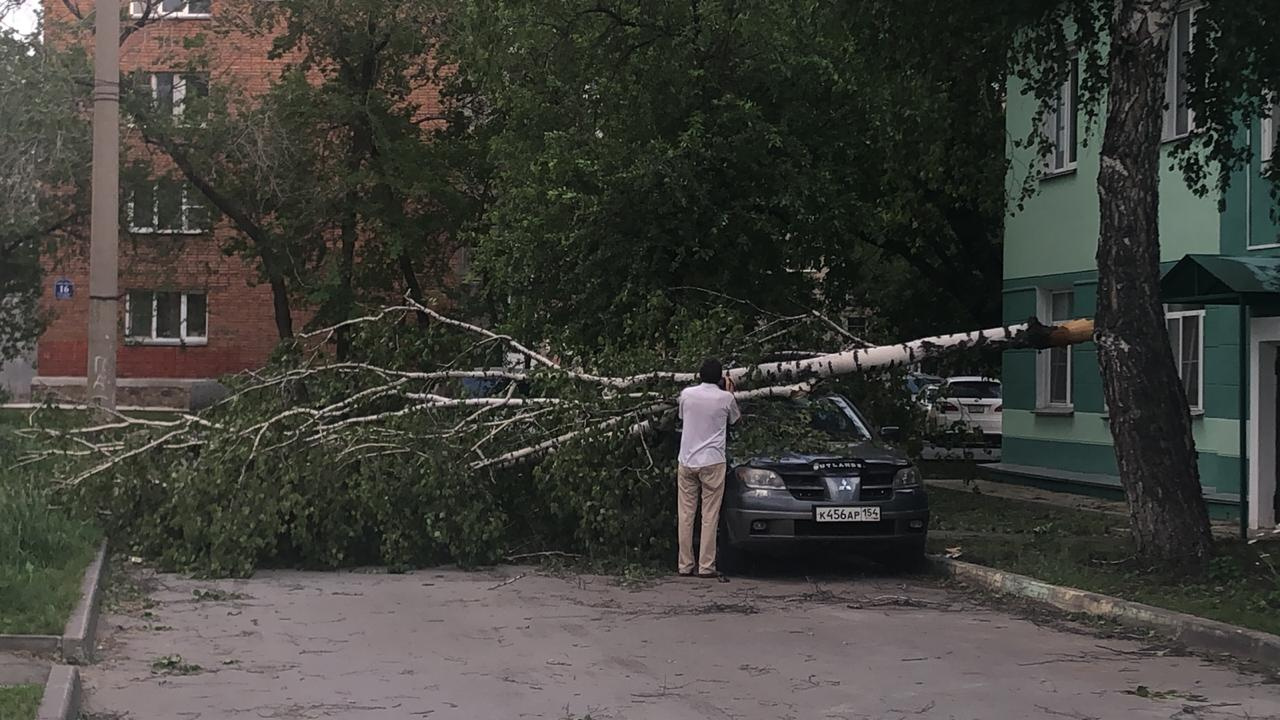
967 405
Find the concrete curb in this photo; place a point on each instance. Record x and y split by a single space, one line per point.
77 641
1192 631
37 644
78 638
61 700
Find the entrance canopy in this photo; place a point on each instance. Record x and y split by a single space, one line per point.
1222 279
1253 283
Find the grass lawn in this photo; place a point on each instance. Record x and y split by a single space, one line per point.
1092 551
20 702
43 550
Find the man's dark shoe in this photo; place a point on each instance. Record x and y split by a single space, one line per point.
709 575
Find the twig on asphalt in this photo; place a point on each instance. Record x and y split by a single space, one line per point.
545 553
507 582
1069 714
899 601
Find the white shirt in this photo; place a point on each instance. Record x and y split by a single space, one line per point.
707 412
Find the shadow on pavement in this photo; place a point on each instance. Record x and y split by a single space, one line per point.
834 565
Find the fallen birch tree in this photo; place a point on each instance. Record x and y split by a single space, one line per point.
428 453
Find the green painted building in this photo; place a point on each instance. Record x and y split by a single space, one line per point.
1221 286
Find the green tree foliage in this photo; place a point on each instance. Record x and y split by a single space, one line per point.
1233 80
401 491
1231 77
794 155
44 146
347 178
349 464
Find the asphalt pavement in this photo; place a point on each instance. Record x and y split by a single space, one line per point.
517 643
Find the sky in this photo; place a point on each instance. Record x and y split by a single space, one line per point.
22 19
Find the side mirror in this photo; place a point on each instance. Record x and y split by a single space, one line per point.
891 433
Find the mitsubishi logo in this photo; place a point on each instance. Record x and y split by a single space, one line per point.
845 485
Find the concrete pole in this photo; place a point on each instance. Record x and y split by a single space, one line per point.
104 231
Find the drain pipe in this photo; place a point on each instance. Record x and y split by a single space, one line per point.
1245 315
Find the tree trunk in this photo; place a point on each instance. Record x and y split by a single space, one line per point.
280 307
244 222
1150 420
346 271
415 287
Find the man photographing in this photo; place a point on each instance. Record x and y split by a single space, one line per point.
707 411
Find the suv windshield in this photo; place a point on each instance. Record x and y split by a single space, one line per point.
827 416
796 425
980 389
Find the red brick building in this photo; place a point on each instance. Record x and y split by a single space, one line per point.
189 313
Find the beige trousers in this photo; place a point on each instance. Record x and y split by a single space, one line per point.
710 480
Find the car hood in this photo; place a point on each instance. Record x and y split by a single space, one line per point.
854 451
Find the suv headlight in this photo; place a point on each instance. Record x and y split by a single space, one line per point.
758 479
907 477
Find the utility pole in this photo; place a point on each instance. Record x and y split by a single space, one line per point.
104 231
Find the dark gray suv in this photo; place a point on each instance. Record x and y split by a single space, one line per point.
805 471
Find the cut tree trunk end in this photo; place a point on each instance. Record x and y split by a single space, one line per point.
1149 416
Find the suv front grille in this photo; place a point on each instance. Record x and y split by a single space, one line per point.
878 473
876 483
806 487
876 493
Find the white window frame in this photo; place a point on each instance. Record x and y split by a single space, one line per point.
1168 132
1044 364
177 103
1197 403
1067 99
138 8
1269 126
185 205
151 339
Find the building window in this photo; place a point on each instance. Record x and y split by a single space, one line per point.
1186 339
158 317
171 93
170 8
1054 364
1178 118
167 207
1060 123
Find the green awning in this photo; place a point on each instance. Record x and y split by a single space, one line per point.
1221 279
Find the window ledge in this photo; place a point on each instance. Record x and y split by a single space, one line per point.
1175 138
167 342
1271 246
1055 411
174 16
1196 414
149 231
1052 174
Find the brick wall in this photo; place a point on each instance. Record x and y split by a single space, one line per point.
241 328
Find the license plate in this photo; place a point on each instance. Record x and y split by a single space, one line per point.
830 513
977 408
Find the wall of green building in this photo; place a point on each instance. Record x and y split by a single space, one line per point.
1051 242
1222 362
1248 221
1081 441
1212 435
1056 230
1221 350
1219 474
